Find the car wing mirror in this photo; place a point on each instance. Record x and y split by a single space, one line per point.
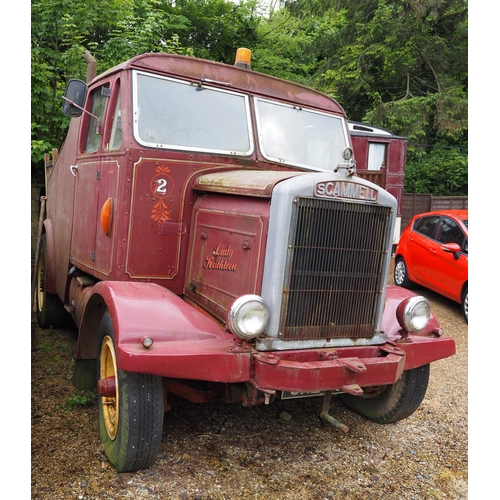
453 248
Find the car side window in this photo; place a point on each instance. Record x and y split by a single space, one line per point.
426 225
450 232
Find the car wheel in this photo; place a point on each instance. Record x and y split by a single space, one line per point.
130 407
50 311
390 403
465 304
401 274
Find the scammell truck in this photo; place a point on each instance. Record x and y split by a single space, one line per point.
205 229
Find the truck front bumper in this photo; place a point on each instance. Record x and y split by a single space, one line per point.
215 358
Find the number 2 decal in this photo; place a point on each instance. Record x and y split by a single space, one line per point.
161 186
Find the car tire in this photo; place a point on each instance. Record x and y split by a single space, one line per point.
391 403
401 274
465 303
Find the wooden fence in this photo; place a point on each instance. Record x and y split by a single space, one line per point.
414 204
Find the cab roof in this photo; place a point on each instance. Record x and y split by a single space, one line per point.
217 74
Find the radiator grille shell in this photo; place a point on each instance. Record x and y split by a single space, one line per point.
334 269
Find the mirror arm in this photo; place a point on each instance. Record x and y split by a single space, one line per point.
98 128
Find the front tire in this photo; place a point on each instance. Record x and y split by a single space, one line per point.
50 311
401 274
390 403
465 304
131 419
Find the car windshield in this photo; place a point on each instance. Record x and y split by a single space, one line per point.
180 115
306 138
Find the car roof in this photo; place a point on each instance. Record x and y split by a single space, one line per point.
461 214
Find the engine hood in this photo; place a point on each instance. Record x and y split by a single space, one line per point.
256 183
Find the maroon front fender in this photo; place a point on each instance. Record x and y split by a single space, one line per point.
390 326
186 342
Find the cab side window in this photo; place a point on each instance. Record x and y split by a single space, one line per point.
95 123
115 140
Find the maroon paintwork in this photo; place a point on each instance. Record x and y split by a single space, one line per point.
392 173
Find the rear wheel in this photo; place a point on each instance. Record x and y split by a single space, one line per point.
49 309
390 403
131 413
401 274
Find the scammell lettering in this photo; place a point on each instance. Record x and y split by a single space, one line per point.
305 307
348 190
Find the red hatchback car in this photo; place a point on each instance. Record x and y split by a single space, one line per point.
433 252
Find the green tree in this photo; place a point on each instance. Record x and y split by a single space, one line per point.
218 27
441 172
399 64
285 47
112 30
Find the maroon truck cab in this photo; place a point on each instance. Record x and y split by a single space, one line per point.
208 233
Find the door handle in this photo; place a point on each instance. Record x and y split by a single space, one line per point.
73 169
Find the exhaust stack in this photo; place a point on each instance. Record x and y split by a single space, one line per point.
91 66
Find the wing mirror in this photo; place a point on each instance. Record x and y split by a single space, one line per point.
74 98
453 248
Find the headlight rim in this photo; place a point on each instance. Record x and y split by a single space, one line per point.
406 310
233 317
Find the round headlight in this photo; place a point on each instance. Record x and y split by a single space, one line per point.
247 316
413 313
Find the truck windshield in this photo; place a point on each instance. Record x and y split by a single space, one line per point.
180 115
296 136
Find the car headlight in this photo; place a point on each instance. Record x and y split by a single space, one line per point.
247 316
413 313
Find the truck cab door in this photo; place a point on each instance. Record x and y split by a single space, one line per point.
96 182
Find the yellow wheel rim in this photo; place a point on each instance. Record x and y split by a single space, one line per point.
109 405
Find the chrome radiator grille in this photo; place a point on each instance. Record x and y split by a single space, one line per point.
334 269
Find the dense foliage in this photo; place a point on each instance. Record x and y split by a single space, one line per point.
400 64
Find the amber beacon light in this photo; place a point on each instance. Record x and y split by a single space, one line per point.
243 57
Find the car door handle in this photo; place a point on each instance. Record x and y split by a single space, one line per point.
73 169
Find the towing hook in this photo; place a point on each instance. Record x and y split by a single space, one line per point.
324 415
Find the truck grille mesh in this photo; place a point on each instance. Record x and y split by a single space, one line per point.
334 270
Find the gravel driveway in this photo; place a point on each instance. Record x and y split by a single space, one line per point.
280 451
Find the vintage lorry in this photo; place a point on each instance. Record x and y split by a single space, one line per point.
207 232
